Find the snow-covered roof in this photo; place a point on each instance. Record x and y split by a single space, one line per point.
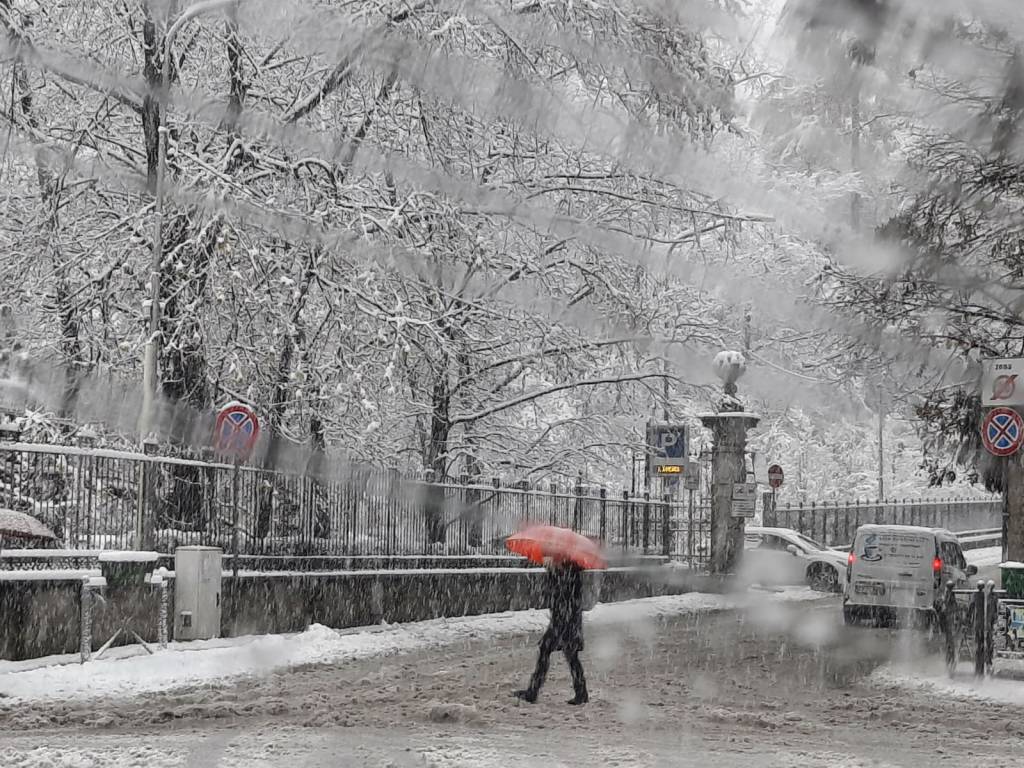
906 529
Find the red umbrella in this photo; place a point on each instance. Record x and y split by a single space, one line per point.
541 541
21 526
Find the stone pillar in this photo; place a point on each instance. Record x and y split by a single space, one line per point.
728 466
729 427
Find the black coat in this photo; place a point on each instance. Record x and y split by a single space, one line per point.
564 597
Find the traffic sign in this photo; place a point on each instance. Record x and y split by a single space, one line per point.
667 448
775 476
1002 431
1002 382
744 499
236 430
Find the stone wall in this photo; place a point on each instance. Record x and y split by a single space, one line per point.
42 618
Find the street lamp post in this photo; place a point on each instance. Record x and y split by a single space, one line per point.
149 366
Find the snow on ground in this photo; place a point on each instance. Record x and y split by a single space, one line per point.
984 558
934 679
191 663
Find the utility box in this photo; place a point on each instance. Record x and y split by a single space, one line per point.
197 585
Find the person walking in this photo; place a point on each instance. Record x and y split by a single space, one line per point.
564 597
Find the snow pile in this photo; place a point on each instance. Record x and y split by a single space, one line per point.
186 664
453 713
963 686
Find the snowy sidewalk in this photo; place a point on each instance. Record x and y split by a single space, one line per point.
186 664
933 678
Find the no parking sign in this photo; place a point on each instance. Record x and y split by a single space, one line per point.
1002 431
236 430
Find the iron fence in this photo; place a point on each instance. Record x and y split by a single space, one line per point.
101 499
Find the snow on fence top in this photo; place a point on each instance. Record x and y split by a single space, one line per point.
48 554
50 575
129 556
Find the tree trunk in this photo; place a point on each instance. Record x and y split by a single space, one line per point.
437 459
49 193
151 73
279 399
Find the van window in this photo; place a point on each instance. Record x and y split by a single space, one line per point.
895 547
953 555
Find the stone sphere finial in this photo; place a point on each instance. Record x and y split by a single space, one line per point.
729 366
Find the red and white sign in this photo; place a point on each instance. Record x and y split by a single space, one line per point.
1002 431
236 430
1002 382
775 476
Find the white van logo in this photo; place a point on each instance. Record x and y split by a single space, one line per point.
872 552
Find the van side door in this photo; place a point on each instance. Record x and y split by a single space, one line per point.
954 564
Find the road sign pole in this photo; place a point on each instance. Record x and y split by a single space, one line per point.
236 477
1002 433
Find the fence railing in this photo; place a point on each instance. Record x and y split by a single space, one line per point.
100 499
835 523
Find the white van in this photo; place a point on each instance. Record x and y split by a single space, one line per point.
900 572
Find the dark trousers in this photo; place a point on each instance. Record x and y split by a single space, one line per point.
548 644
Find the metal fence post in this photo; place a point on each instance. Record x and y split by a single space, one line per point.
647 522
209 514
603 534
690 533
236 480
800 518
666 527
979 629
146 507
577 508
624 520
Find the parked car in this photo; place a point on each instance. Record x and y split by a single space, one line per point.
783 556
900 572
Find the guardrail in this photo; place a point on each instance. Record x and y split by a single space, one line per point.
835 523
988 537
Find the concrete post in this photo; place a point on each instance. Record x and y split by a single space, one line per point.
729 427
85 638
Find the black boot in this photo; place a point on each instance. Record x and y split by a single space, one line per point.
527 695
579 680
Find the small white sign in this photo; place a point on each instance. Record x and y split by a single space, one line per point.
1002 382
691 476
744 499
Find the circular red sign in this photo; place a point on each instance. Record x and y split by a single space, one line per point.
236 430
775 476
1002 431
